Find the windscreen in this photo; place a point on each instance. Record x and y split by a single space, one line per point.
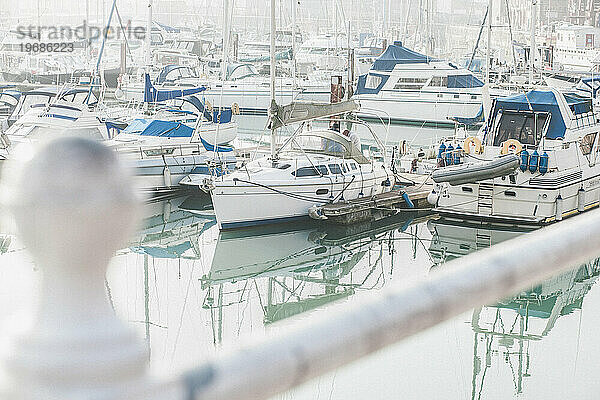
526 127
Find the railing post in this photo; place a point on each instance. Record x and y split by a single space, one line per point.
73 205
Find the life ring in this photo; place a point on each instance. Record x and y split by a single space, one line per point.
235 109
511 145
472 140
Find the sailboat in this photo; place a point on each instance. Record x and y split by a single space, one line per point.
313 167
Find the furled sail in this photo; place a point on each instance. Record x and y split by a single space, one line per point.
305 111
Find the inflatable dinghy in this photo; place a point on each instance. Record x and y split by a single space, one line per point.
478 171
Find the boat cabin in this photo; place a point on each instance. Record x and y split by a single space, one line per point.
44 96
537 114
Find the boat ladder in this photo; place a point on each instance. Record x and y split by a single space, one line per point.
485 198
483 239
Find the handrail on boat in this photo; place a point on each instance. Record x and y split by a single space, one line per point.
87 352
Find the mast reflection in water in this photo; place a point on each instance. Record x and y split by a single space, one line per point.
505 332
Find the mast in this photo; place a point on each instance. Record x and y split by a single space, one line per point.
273 108
335 28
225 39
488 61
294 41
149 37
532 50
87 30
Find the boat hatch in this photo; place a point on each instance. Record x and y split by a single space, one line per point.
525 126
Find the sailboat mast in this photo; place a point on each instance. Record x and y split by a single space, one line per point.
532 50
149 37
87 30
272 109
225 57
488 61
294 41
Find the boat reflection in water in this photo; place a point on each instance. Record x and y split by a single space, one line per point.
507 331
171 228
294 271
202 287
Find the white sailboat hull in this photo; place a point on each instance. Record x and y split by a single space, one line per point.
240 204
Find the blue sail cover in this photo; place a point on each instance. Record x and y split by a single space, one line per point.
152 94
155 127
398 54
541 101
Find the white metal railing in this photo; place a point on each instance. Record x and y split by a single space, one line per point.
78 349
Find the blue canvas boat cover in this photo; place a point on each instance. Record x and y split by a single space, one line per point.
152 94
543 101
398 54
469 121
155 127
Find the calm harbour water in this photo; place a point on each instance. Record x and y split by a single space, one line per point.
191 291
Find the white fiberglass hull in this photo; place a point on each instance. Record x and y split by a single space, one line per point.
417 107
532 199
247 203
251 99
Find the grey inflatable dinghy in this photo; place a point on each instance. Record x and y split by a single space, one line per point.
478 171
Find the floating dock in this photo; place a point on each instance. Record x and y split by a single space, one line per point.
415 187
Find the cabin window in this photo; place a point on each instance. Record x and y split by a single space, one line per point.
410 83
335 169
310 171
439 81
159 152
373 81
353 166
344 169
587 143
526 127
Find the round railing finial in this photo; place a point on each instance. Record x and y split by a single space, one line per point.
73 206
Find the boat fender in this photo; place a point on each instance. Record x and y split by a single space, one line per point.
559 208
457 154
475 142
167 176
407 200
441 151
581 200
449 154
433 197
235 109
524 160
511 146
544 158
316 212
533 161
167 211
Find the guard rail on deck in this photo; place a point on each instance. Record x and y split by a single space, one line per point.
78 349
